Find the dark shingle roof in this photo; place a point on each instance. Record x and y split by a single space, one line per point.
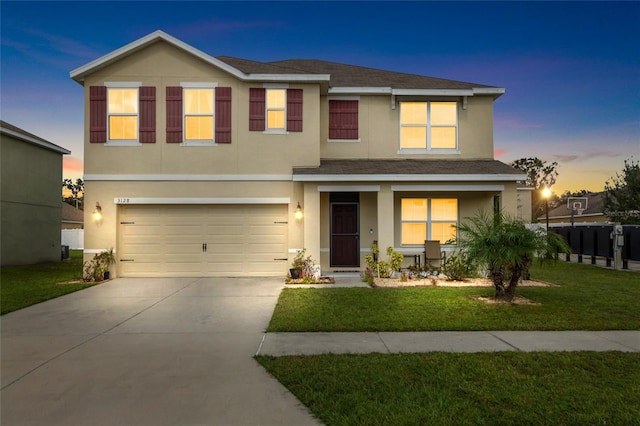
254 67
343 75
408 167
595 201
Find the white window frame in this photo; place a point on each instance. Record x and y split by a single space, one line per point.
123 85
428 149
198 142
279 130
428 221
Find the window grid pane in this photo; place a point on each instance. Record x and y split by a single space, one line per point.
275 119
414 233
413 113
443 137
443 231
444 209
414 209
123 101
123 127
275 98
199 128
443 113
413 137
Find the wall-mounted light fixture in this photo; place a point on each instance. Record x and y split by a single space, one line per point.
298 213
97 213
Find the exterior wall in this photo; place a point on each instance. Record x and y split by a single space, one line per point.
31 211
162 65
379 131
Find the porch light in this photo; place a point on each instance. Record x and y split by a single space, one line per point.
97 213
298 213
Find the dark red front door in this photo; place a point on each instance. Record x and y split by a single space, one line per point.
345 241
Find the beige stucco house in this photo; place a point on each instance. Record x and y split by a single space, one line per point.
31 169
219 166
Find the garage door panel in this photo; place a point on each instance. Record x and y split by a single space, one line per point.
241 240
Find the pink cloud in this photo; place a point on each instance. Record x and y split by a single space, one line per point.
497 153
72 165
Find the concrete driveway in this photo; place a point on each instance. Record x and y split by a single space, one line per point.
145 352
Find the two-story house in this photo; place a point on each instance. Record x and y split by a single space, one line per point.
219 166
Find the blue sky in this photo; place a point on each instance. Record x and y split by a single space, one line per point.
571 69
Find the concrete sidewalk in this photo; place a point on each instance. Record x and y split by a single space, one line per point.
280 344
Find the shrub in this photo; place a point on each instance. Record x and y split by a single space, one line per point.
303 266
458 266
383 268
95 269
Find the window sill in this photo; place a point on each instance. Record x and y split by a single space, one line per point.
198 143
275 132
420 151
123 143
343 140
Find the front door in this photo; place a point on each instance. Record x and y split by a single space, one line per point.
345 240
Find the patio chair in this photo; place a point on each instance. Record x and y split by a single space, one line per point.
433 252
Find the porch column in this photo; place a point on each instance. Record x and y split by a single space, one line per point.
385 219
312 221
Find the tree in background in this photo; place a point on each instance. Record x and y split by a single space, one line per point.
539 174
77 192
622 194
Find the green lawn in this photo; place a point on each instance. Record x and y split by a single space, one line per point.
23 286
585 298
504 388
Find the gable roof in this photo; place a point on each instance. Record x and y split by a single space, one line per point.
272 74
341 78
24 136
409 170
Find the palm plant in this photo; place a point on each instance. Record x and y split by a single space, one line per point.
506 248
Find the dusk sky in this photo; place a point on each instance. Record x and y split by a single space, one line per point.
571 70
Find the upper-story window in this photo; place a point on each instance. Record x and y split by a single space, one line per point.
123 113
428 126
198 114
275 109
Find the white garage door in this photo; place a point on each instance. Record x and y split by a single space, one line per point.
202 240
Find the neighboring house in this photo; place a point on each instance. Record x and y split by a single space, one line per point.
593 213
72 217
218 166
31 169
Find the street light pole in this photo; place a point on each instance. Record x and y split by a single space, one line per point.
546 193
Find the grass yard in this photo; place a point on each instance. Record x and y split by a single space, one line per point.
503 388
585 298
23 286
